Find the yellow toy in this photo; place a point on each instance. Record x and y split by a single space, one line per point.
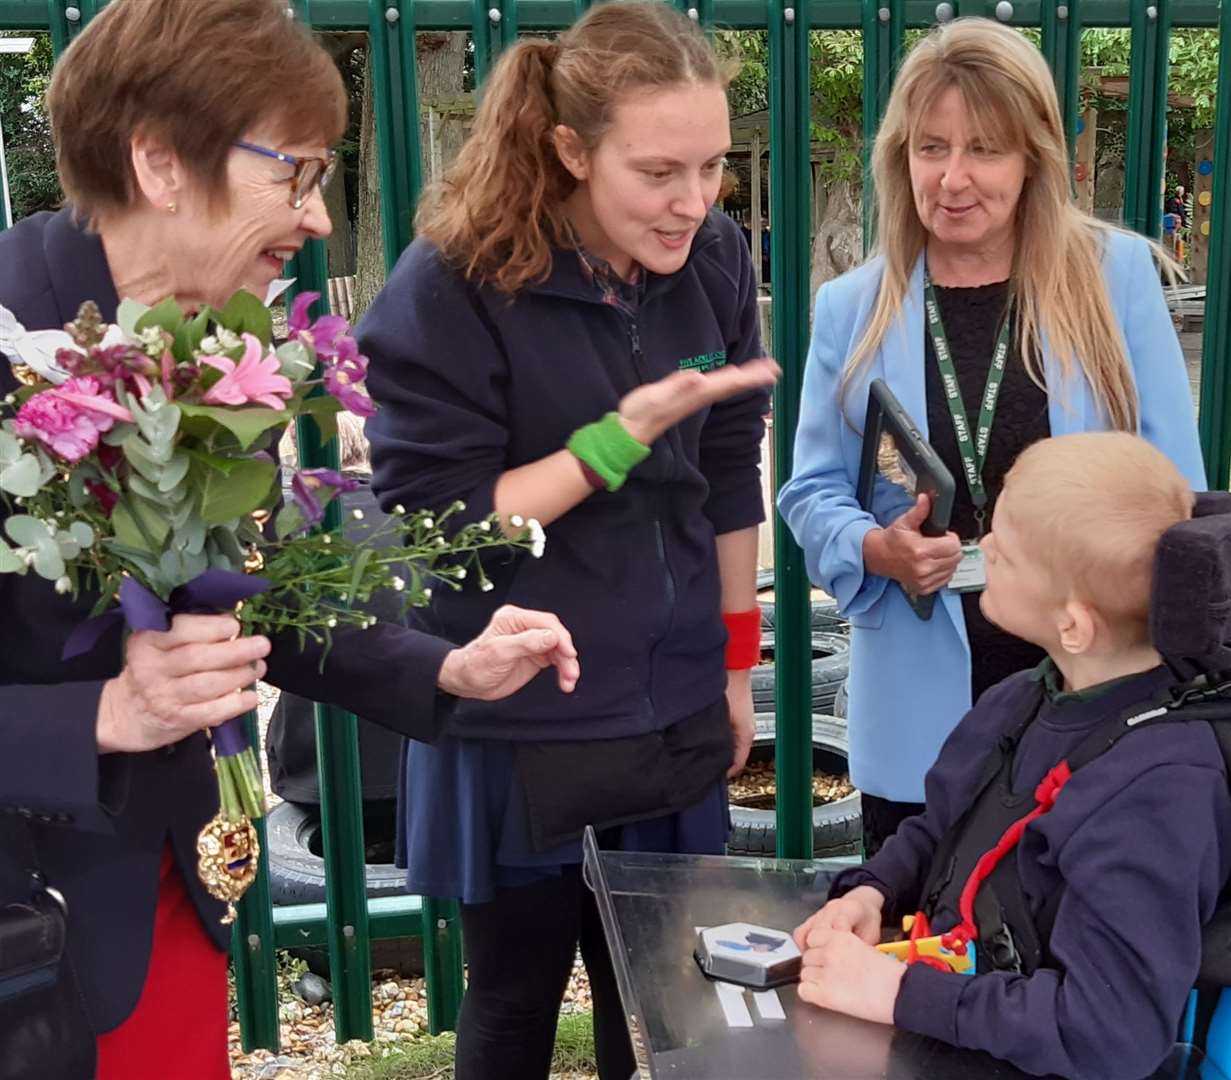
959 960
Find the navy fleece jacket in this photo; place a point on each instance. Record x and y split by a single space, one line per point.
470 383
1139 840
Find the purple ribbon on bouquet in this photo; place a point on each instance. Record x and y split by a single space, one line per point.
207 594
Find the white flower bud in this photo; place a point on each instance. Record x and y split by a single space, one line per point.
331 622
485 526
429 523
326 539
63 585
343 597
460 573
357 515
399 584
427 593
399 509
517 521
487 586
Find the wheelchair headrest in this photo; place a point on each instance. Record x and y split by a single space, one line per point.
1190 605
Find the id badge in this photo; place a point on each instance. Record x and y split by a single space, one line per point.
971 575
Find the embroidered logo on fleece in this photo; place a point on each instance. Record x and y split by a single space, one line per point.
705 362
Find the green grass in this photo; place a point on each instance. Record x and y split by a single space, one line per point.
432 1055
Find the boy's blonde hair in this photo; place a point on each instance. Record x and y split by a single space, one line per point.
1090 509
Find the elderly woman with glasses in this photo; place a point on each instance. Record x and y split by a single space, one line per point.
191 171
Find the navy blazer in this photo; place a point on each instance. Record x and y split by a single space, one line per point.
99 822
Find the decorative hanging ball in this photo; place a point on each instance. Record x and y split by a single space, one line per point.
1205 167
1205 228
1080 172
1205 198
1081 125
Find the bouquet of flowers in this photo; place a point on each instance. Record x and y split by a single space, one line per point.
138 460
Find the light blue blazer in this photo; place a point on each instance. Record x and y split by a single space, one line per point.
909 679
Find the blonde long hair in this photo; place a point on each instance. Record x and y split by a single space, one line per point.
1058 287
499 209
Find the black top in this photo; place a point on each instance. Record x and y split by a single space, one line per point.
972 319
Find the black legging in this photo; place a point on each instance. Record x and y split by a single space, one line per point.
519 951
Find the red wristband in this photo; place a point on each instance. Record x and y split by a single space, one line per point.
743 639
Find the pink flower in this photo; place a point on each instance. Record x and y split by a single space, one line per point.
69 418
344 378
321 336
254 379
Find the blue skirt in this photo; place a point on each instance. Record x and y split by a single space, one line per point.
465 832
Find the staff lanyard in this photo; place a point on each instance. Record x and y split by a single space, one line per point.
972 446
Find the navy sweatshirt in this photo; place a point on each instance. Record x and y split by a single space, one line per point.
470 383
1140 841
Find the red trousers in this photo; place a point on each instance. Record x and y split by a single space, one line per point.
178 1030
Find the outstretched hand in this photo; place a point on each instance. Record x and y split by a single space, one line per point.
651 409
516 645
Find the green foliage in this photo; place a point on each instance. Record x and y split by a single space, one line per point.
33 185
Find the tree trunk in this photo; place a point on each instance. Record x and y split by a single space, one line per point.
440 65
838 242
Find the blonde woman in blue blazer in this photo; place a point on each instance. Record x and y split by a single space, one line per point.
972 179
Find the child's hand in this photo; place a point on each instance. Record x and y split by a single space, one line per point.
858 913
842 973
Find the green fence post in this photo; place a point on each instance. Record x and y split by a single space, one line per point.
252 947
391 39
337 765
481 38
442 963
884 24
1149 67
790 179
1062 47
1214 423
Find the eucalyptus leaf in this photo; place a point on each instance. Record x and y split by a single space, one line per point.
82 533
23 477
9 562
10 447
128 314
26 531
191 536
175 472
295 362
129 533
67 544
139 455
48 562
143 487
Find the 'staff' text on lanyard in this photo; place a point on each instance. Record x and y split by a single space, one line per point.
972 446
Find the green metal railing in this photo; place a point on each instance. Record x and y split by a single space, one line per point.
347 922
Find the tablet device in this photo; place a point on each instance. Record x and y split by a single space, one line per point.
894 449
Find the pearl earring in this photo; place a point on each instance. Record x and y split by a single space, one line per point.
171 207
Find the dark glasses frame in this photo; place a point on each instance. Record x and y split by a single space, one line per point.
309 171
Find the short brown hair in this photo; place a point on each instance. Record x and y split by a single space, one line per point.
198 74
1090 509
499 209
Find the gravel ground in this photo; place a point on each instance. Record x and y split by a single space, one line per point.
309 1049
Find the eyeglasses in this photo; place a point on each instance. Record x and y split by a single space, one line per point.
309 171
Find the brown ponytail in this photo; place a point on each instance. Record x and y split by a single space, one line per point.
499 209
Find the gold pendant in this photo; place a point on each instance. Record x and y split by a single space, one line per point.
228 856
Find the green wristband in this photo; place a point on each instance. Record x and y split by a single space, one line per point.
608 448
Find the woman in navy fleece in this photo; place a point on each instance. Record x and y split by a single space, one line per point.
573 338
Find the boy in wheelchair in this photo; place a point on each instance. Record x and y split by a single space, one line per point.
1077 835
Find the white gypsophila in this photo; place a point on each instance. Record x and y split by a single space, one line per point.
538 538
399 584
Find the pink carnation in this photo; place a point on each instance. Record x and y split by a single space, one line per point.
69 418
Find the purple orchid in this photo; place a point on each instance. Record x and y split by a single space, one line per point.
323 335
344 378
306 484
